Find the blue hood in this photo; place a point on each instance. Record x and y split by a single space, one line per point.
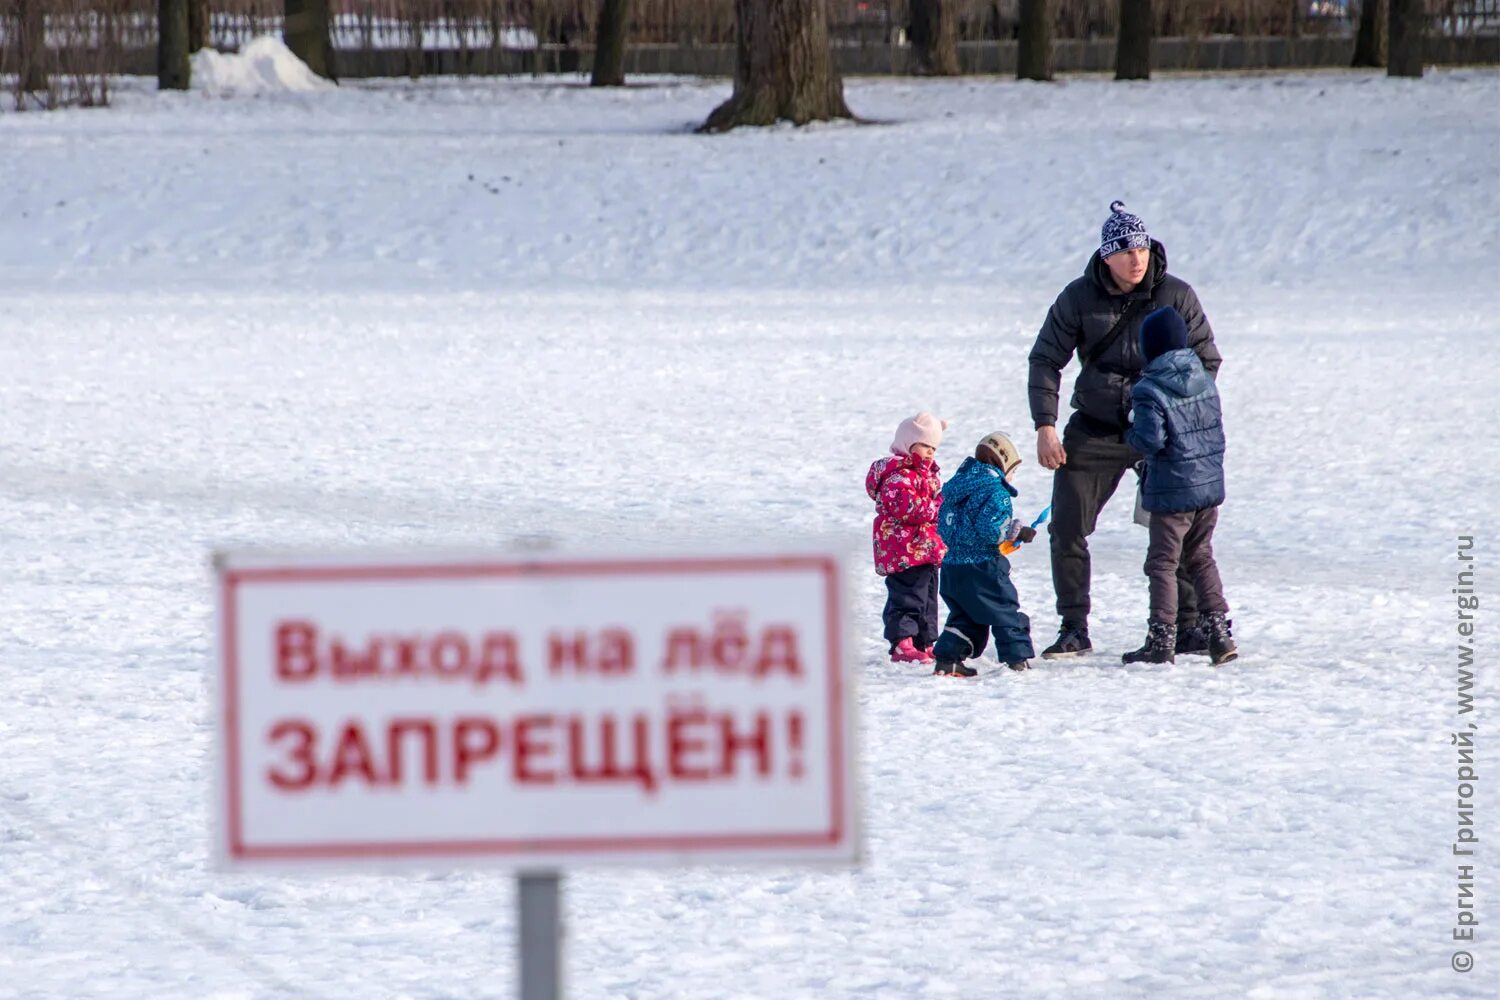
1178 373
974 476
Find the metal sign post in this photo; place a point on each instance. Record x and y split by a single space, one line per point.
539 917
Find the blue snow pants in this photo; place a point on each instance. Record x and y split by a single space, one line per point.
982 600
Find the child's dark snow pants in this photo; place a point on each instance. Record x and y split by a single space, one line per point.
911 606
981 600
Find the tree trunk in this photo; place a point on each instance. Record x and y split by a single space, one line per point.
1408 24
783 67
1034 35
1369 42
1133 45
933 32
172 69
306 30
609 44
539 17
414 63
200 33
30 47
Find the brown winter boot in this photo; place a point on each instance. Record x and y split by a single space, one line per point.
1221 647
1161 643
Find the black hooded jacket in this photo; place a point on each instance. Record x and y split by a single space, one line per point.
1083 315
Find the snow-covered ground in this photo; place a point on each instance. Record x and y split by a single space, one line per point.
470 311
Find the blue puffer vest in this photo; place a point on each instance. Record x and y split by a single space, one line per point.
1177 424
976 509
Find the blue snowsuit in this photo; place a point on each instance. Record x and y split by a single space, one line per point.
975 578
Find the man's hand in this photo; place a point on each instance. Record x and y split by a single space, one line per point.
1049 450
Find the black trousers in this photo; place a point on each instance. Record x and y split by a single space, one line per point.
1097 457
911 606
982 601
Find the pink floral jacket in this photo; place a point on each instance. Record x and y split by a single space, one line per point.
907 492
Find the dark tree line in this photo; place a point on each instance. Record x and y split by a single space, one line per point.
784 67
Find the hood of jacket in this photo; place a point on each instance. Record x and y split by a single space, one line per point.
1178 373
971 477
882 469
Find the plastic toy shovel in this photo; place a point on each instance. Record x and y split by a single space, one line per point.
1006 548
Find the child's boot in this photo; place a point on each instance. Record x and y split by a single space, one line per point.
1221 647
1161 641
952 668
905 652
1192 639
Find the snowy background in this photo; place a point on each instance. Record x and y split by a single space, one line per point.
465 311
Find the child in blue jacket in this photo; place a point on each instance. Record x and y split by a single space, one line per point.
1177 423
975 519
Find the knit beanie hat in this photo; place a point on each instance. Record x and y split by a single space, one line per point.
924 428
1162 331
1122 231
998 450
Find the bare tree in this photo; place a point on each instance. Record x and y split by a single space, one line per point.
783 67
173 71
412 15
1034 37
200 33
1369 40
609 44
1133 43
933 31
28 47
1407 26
306 27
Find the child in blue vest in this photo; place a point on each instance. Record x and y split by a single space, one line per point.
1176 422
975 519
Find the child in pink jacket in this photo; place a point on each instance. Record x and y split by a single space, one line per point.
907 489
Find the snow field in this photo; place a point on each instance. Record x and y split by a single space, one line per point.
297 336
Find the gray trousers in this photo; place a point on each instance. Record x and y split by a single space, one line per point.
1097 458
1183 543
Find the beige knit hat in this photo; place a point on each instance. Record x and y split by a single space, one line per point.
998 450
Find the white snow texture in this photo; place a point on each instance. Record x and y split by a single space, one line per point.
438 312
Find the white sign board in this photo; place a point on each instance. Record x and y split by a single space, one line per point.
533 712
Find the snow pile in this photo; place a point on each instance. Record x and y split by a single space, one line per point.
264 66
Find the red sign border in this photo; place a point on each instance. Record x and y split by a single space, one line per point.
232 579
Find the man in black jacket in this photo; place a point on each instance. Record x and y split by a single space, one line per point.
1098 317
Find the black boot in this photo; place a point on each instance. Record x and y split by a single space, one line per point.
1019 664
1221 647
1161 640
1072 640
1192 639
951 668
